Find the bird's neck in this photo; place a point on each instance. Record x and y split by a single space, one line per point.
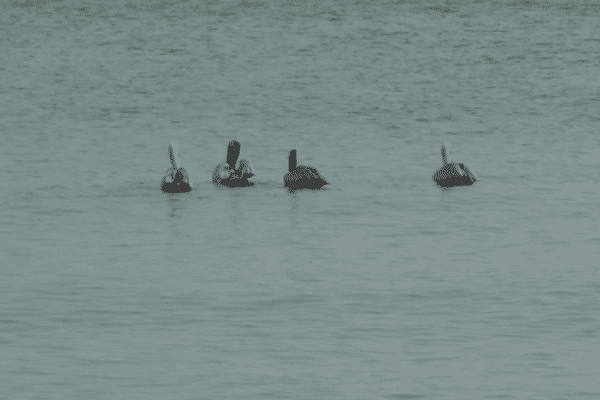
292 161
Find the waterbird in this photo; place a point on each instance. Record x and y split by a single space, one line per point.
302 177
453 174
176 179
226 172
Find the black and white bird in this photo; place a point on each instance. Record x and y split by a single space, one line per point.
227 174
301 177
176 179
453 174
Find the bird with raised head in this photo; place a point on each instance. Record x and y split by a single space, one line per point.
453 174
176 178
300 176
226 172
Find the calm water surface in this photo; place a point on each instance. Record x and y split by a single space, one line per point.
380 286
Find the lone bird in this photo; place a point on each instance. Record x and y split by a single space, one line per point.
176 179
301 177
227 174
453 174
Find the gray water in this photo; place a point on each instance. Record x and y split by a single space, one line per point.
380 286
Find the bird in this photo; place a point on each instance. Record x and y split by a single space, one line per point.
302 177
226 172
453 174
176 179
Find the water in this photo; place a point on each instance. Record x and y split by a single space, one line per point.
380 286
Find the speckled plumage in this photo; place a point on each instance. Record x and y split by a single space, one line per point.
302 177
176 178
176 181
453 174
226 174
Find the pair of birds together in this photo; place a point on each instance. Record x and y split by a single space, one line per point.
177 180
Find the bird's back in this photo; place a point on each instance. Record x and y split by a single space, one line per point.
304 177
176 181
453 174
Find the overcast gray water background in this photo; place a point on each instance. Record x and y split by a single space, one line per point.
381 286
